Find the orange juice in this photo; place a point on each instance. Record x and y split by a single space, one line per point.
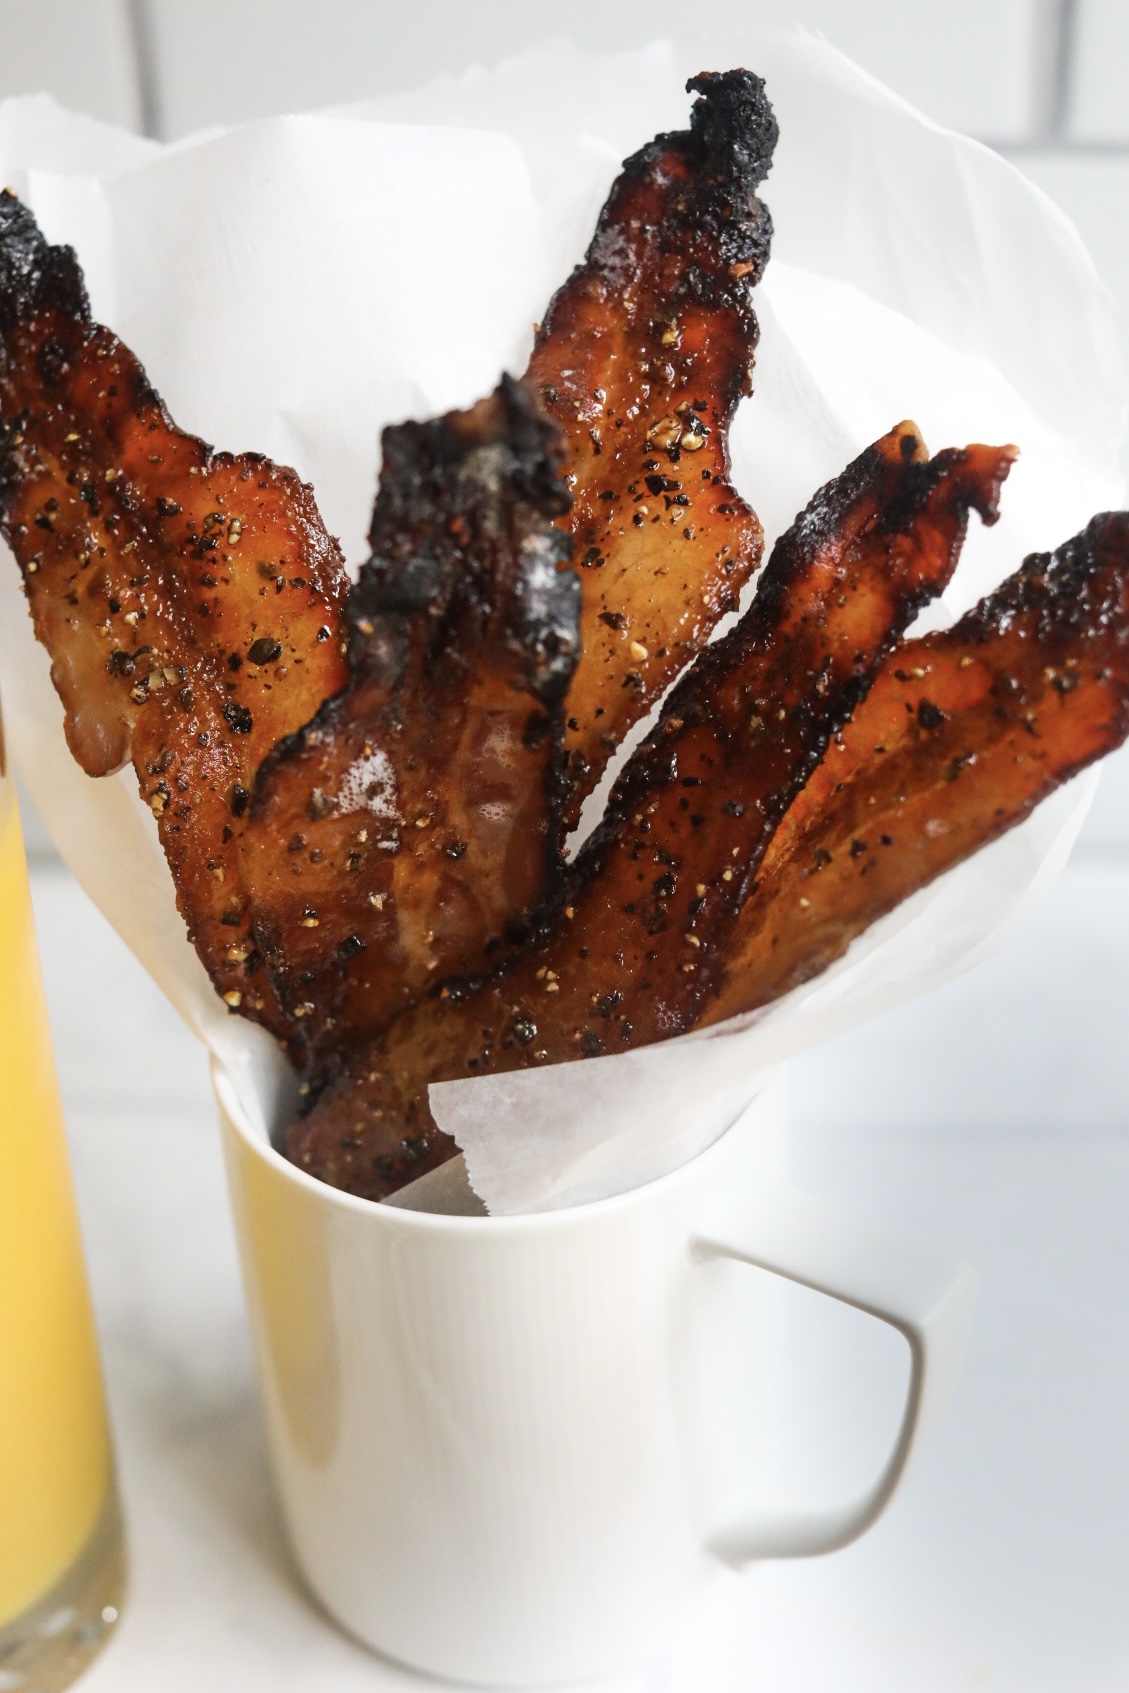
55 1466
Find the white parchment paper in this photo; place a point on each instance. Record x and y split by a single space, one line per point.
295 284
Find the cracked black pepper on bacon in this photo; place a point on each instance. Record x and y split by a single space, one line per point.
191 601
415 812
363 794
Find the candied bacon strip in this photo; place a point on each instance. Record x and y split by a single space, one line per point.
642 357
191 601
961 736
635 951
357 920
404 831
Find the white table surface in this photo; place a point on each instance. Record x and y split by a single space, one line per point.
991 1118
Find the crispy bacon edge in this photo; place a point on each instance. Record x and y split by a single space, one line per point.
407 831
642 358
191 601
963 733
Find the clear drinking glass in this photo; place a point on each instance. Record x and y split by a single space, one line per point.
61 1553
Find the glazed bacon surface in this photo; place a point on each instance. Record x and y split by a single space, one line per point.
642 358
961 736
637 942
407 829
191 601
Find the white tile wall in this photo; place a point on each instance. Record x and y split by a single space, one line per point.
1093 190
1097 109
81 51
975 65
972 63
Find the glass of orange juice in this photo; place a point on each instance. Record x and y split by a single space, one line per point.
61 1556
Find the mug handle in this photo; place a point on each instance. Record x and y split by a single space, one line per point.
928 1298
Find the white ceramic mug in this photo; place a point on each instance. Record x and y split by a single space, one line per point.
484 1429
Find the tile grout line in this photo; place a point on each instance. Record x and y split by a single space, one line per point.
1062 146
1053 75
1063 34
145 66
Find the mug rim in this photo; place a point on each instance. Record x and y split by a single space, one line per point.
395 1216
